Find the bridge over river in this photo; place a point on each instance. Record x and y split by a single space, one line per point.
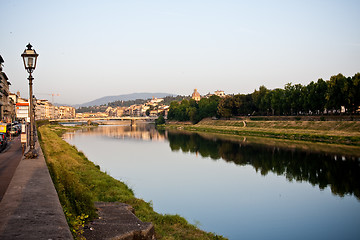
101 119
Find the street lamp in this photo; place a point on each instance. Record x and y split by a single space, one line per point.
30 58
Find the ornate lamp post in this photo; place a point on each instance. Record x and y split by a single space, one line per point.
30 58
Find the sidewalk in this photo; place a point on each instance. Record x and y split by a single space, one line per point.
10 158
30 208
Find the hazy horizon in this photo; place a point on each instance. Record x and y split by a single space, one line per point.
91 49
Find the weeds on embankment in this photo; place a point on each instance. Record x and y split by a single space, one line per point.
80 183
331 132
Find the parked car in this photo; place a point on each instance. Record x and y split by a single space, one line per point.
15 130
3 141
5 128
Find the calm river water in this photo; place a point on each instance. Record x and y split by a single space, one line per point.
235 188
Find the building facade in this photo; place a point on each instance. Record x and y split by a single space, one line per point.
196 95
7 107
66 112
45 110
220 93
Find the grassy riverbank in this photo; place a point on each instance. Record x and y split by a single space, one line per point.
80 183
330 132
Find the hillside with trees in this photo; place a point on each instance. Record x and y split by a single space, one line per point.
128 103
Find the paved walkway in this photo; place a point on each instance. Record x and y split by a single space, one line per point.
9 160
30 208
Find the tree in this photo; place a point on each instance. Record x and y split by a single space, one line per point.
336 92
243 104
192 113
353 90
293 103
208 106
225 107
321 89
174 105
261 100
315 97
182 113
277 101
160 120
309 92
238 104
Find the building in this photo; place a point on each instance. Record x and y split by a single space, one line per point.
155 101
111 112
66 112
45 110
14 97
40 110
220 93
196 95
153 107
145 108
119 111
7 107
22 111
134 110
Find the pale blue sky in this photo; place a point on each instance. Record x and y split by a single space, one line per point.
90 49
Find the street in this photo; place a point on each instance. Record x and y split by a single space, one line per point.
9 160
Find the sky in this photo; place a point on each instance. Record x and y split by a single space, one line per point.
90 49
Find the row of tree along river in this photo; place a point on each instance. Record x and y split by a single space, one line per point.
339 94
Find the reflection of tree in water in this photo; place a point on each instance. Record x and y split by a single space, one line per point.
317 168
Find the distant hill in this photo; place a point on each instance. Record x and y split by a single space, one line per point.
124 97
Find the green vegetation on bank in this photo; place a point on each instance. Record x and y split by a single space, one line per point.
331 132
80 183
333 96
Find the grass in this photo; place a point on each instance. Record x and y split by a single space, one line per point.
80 183
331 132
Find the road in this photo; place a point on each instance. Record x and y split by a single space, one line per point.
9 160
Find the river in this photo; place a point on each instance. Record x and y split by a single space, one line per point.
239 188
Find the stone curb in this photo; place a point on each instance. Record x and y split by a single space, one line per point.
117 221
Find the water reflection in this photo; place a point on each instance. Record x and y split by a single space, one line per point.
319 169
340 173
140 132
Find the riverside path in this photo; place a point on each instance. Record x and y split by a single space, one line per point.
9 160
30 208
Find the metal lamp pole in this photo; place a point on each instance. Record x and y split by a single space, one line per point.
34 115
32 142
30 58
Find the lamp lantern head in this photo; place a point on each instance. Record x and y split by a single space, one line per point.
30 58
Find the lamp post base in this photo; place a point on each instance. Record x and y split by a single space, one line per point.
31 154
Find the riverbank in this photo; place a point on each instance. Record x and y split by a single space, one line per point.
80 184
329 132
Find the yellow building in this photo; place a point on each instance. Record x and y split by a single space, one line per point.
196 95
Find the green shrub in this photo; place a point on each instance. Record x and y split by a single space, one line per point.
160 120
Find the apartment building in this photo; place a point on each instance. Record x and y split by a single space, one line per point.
7 107
66 112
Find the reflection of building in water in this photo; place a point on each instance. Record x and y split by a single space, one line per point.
141 131
68 135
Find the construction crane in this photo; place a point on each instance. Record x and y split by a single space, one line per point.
50 94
